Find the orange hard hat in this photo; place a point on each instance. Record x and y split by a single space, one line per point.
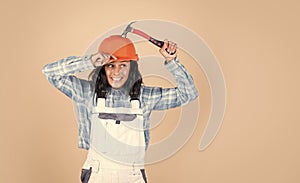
120 47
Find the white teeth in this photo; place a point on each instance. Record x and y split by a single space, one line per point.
116 79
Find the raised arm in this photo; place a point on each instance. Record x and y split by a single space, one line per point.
185 91
61 73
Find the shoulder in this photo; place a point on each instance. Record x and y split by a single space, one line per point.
148 92
149 89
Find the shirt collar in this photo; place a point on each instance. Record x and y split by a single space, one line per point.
118 92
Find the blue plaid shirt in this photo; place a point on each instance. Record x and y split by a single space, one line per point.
61 75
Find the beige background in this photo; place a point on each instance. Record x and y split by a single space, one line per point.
256 42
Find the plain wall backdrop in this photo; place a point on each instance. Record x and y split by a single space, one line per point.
256 43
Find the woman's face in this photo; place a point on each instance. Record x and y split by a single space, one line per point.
117 73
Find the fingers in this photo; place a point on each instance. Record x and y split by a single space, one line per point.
107 58
166 44
169 50
112 57
169 46
100 59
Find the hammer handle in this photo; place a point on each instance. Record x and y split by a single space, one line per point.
159 43
149 38
156 42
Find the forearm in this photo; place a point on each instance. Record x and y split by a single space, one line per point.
68 66
185 86
61 75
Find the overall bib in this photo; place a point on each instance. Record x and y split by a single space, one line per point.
117 145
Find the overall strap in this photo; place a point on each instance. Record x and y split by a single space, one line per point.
135 104
100 102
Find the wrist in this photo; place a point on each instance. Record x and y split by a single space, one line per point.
167 60
93 59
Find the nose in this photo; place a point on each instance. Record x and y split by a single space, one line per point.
116 70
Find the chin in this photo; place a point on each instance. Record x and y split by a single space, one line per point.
117 86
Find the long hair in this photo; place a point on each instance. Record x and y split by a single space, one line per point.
132 86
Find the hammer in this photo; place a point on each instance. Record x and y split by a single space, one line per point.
129 28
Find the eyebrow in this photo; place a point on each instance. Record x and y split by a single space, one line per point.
121 62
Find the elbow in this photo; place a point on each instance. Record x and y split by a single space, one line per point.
47 70
44 70
194 96
189 96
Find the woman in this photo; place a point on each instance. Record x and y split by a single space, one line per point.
114 106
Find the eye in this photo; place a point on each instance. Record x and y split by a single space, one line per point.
109 65
123 65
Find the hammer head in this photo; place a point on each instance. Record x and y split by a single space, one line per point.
127 29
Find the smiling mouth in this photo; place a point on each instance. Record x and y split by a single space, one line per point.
116 78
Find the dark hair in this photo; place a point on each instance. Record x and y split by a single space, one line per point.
101 86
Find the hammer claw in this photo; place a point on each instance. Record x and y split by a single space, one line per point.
127 29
